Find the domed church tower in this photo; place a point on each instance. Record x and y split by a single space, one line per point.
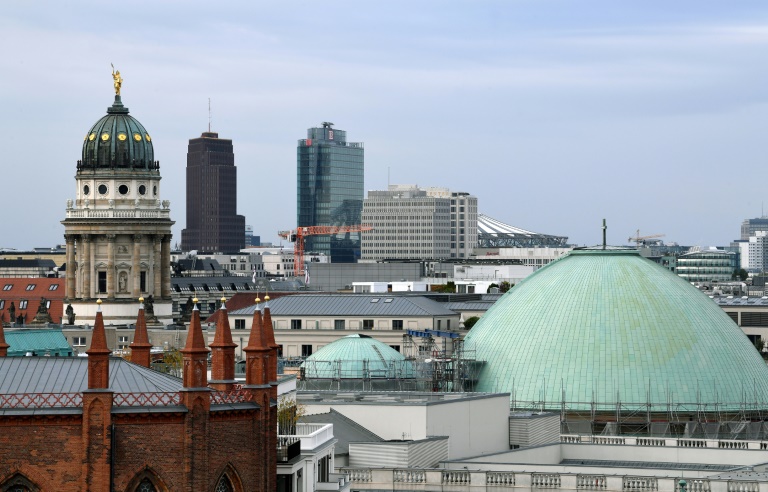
118 230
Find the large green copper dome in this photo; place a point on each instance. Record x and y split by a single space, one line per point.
602 326
117 140
357 357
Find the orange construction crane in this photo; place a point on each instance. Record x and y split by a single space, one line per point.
297 236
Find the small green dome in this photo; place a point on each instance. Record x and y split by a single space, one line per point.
610 326
356 357
117 140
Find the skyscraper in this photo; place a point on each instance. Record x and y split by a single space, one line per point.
329 184
212 221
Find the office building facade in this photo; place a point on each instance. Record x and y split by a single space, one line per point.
329 190
212 221
413 223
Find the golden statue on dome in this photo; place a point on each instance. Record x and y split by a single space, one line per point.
118 80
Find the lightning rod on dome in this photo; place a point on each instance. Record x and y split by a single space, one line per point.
605 227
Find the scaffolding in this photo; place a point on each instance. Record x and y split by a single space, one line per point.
429 365
742 418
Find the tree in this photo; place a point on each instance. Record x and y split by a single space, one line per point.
470 322
288 414
740 274
505 286
449 288
759 344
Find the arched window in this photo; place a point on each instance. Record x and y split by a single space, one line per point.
146 485
224 485
18 483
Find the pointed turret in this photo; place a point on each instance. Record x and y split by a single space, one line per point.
98 355
195 354
253 366
140 346
268 341
223 352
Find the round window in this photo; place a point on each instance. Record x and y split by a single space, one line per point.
154 190
86 190
142 190
103 189
123 189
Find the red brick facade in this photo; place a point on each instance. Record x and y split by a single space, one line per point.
204 438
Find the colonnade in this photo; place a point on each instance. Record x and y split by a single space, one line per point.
82 261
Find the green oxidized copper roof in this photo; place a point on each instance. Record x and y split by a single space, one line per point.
41 342
607 326
118 140
357 357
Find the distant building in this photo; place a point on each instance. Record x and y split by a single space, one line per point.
707 265
329 175
212 221
750 226
250 239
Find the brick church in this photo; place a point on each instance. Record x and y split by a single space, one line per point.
102 423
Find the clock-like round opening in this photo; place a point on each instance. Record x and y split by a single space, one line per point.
103 189
123 189
142 190
86 190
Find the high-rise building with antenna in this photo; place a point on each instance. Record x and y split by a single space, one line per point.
212 221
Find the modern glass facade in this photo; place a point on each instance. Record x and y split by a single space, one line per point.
707 266
329 190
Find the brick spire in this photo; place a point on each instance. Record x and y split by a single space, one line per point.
3 346
98 355
254 373
195 354
268 341
140 346
223 348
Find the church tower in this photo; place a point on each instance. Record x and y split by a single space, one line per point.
117 229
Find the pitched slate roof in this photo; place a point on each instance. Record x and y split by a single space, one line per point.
345 430
352 305
70 375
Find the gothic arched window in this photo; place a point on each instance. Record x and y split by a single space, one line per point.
146 485
224 485
18 483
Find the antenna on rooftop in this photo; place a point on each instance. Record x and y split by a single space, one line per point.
209 115
327 124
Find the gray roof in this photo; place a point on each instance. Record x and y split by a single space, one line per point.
225 284
740 301
345 430
469 306
70 375
352 305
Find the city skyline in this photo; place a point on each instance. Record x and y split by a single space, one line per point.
555 115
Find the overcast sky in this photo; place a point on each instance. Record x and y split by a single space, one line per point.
555 114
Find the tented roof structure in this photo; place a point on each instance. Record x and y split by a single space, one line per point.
492 233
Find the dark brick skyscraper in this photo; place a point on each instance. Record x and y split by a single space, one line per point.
212 221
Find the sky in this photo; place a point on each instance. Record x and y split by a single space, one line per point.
554 113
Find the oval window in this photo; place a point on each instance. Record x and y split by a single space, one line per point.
86 190
142 190
103 189
123 189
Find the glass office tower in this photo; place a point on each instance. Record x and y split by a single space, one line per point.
329 190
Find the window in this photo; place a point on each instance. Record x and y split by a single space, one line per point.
53 287
23 304
2 304
8 287
367 324
102 282
122 342
280 350
78 341
439 323
396 347
306 350
143 281
146 485
239 324
295 324
397 324
31 286
338 324
47 304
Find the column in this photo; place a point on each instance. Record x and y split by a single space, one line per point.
111 285
157 265
136 267
71 269
165 267
86 271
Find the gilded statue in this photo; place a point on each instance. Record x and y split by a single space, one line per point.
118 80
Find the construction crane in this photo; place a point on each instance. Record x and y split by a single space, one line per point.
297 236
638 239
